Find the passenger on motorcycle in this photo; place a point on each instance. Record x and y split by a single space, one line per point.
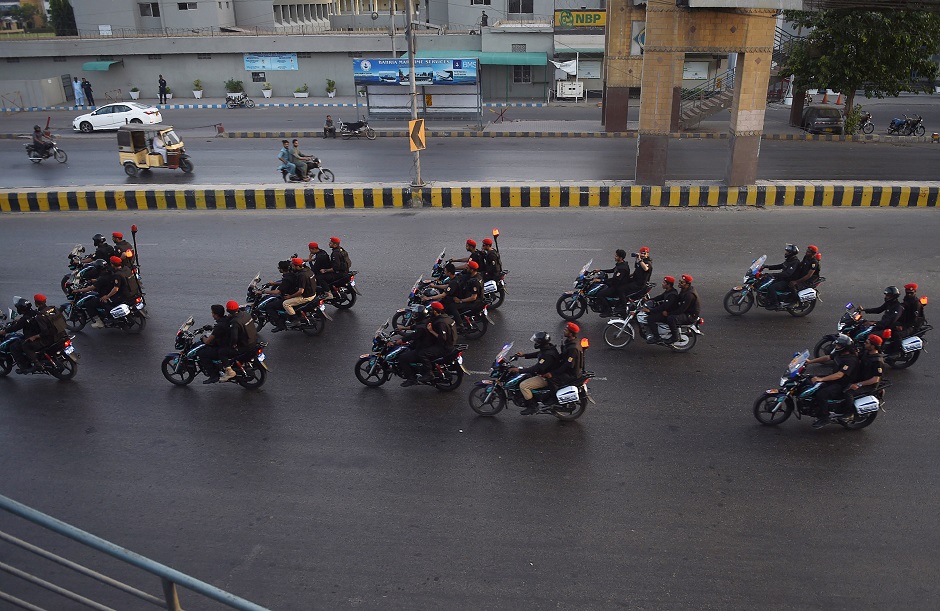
339 265
788 271
471 293
123 248
870 368
664 302
111 287
218 346
835 384
103 250
548 360
473 255
617 281
492 264
244 335
287 285
642 271
686 310
25 350
912 317
318 261
450 290
428 342
890 311
571 364
807 271
305 293
41 143
284 157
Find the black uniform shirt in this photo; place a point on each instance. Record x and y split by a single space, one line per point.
848 365
473 286
688 303
221 332
321 261
666 301
788 268
548 360
892 312
621 274
639 275
871 365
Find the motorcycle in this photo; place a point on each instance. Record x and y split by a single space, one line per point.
357 129
472 325
54 152
58 360
755 286
344 292
908 126
182 366
314 170
573 304
902 354
312 314
489 397
621 331
377 367
240 99
132 319
796 394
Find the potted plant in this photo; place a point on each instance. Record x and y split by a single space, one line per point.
302 92
266 90
197 89
233 87
135 93
330 88
169 93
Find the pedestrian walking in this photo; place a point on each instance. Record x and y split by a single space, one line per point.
162 84
86 88
79 93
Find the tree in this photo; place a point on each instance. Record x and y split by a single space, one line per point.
62 17
24 14
880 52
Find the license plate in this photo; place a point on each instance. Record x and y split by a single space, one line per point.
460 360
352 283
261 357
140 306
69 349
322 308
828 130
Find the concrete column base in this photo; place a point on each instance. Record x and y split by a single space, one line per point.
616 105
651 159
742 164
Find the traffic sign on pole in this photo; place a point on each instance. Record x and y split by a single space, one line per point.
416 135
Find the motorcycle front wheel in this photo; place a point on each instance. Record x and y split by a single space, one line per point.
571 411
571 307
804 308
177 372
74 317
618 335
769 411
64 368
371 371
60 156
868 128
249 103
255 374
824 346
903 360
453 376
401 319
6 366
920 130
325 176
370 133
487 400
737 304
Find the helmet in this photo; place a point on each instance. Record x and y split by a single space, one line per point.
892 291
36 128
541 339
23 305
99 239
791 250
841 342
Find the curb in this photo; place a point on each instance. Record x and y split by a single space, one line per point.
258 105
472 197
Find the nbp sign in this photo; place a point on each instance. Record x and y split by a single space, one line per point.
580 19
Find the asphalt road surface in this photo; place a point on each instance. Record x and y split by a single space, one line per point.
94 161
316 492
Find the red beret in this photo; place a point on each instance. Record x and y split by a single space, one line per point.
912 286
313 245
471 243
487 242
644 249
572 327
334 239
39 298
297 261
231 305
669 279
116 260
875 339
118 235
437 305
473 265
811 248
687 278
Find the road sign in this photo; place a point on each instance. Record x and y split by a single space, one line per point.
416 135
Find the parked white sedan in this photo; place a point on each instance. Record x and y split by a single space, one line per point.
113 116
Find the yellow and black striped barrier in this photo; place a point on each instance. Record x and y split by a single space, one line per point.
603 196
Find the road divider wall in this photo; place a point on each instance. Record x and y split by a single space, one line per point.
609 196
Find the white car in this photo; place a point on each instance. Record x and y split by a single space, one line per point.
113 116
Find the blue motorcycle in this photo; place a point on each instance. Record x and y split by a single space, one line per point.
378 367
755 287
182 366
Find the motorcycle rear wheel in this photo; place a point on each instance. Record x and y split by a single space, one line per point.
868 128
347 298
804 308
64 368
618 335
568 414
316 326
135 323
487 400
736 306
34 159
903 361
764 409
231 104
325 175
371 371
60 156
686 342
859 422
255 375
178 375
453 376
346 134
570 307
477 329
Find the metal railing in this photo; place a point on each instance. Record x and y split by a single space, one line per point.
169 578
783 42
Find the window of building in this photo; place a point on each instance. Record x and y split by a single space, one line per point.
149 9
520 6
59 59
186 6
484 2
155 56
203 55
522 74
517 48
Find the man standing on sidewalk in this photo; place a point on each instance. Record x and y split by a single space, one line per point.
162 84
86 88
79 92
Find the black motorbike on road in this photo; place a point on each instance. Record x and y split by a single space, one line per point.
489 397
53 152
755 287
356 130
898 354
573 304
472 325
378 367
59 360
181 367
314 170
796 394
312 315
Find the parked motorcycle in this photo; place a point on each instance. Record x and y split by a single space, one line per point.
52 153
312 314
240 99
182 366
60 360
314 170
866 125
908 126
573 304
377 367
621 331
898 354
357 129
796 394
489 397
755 285
472 325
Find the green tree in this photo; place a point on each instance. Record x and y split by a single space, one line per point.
62 17
879 52
23 14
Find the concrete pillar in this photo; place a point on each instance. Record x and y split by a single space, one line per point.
657 113
616 105
622 68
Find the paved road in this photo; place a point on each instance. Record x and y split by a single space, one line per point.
317 492
387 160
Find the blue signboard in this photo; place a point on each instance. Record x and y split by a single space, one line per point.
270 61
427 71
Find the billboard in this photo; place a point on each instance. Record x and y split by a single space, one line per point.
427 71
256 62
580 19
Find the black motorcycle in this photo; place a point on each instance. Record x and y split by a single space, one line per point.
755 287
239 99
796 394
181 367
573 304
378 367
129 318
898 354
908 126
58 360
54 152
490 396
312 315
472 325
314 170
356 130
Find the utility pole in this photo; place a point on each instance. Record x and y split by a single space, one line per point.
391 25
410 36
